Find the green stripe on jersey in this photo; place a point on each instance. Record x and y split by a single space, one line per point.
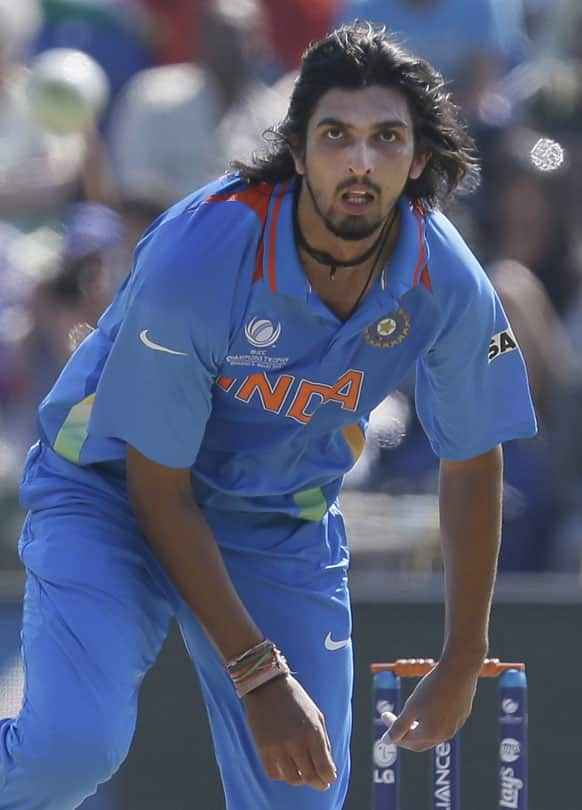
71 437
312 504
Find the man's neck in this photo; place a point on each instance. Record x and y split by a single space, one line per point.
343 290
319 236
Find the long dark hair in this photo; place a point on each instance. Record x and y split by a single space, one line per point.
354 57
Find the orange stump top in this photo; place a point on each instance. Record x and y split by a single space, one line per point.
417 667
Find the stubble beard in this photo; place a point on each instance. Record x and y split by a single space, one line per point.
350 229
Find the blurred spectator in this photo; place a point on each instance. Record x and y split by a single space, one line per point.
398 458
38 170
464 29
529 497
242 128
165 134
175 127
472 43
118 34
565 428
17 280
19 23
175 24
76 291
293 24
290 26
554 27
51 281
541 335
530 217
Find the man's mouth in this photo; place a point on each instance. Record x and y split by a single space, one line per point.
357 200
357 197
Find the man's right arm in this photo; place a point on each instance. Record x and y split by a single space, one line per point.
287 727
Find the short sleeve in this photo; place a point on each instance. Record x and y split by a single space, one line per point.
472 391
154 391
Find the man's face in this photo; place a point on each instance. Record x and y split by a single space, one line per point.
359 155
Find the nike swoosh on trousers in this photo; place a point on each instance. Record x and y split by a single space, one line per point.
332 645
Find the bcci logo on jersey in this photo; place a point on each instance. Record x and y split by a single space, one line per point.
262 333
389 331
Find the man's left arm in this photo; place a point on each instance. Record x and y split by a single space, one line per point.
470 509
472 394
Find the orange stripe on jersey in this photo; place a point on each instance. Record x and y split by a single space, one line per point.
256 197
277 210
258 271
425 279
422 256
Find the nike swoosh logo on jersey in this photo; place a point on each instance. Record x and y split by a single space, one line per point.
332 645
143 336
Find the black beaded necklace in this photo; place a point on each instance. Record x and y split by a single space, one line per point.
323 257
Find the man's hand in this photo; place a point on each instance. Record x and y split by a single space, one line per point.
290 734
436 710
470 509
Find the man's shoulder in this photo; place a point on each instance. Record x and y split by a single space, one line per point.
208 237
238 198
228 198
453 266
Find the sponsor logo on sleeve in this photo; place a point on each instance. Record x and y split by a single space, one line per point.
501 343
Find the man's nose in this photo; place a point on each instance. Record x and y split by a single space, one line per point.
361 160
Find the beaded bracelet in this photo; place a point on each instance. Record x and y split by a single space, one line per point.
258 665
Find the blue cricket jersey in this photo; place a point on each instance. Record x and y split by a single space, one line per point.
216 354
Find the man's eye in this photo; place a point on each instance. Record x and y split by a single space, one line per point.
387 137
334 134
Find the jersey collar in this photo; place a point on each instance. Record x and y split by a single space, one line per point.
282 268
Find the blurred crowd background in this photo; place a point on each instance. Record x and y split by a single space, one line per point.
193 84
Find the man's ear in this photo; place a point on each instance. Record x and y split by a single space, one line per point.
297 154
419 164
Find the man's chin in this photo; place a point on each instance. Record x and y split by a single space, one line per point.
354 230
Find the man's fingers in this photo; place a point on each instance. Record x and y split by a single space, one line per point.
285 770
323 762
416 739
389 719
327 740
304 764
410 734
399 727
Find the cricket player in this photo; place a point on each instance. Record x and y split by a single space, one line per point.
191 452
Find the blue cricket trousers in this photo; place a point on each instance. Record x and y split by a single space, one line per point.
96 611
